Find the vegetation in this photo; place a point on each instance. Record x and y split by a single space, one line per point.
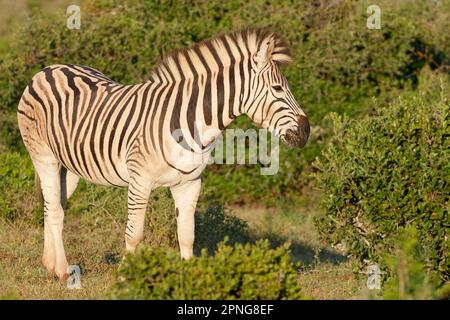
339 63
16 185
239 272
409 278
377 159
385 172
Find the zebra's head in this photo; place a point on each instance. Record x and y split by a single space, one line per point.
272 105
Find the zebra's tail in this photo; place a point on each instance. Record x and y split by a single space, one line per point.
37 183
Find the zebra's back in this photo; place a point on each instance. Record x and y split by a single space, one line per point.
86 120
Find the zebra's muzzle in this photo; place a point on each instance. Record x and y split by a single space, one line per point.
298 138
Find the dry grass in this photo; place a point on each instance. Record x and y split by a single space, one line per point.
330 281
92 243
94 240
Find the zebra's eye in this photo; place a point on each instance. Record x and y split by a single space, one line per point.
277 88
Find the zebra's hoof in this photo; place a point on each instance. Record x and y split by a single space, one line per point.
63 278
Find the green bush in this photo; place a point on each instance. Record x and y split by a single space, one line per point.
239 272
339 63
387 171
16 186
409 279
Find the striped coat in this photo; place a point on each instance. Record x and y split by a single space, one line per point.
76 122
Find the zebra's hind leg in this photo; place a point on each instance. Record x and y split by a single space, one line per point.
69 182
185 197
54 257
138 192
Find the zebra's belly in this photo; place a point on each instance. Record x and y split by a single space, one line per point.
179 172
109 180
172 177
96 169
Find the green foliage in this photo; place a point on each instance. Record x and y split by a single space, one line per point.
387 171
409 277
383 171
10 139
338 62
234 272
16 185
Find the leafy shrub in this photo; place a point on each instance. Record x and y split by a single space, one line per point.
16 185
339 63
409 278
239 272
385 172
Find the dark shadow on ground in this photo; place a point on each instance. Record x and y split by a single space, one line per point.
304 253
213 224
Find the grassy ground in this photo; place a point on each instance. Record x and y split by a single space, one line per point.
94 240
91 242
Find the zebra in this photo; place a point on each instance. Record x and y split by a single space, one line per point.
77 123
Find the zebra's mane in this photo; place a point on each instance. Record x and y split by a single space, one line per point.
236 46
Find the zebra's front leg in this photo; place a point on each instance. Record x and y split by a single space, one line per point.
138 193
185 197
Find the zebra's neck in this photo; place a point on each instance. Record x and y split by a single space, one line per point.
198 108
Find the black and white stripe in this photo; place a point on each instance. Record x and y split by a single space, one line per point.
75 117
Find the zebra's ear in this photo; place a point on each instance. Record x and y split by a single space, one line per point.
265 50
